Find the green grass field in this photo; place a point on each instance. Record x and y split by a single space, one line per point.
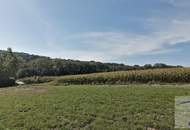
89 107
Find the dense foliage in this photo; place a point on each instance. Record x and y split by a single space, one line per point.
26 65
173 75
8 68
5 80
19 65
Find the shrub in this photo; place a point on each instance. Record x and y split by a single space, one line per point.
5 80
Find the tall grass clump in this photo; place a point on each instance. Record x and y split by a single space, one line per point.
173 75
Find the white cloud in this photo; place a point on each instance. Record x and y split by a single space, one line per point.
120 44
105 46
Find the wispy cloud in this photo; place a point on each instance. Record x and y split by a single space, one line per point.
158 27
106 45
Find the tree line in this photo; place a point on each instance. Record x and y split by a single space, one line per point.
19 65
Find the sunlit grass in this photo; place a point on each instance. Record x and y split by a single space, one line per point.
89 107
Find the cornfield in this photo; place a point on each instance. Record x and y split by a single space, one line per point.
174 75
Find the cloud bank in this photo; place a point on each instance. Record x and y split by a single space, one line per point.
106 45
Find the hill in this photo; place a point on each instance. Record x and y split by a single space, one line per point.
35 65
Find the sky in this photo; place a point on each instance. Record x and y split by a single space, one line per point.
120 31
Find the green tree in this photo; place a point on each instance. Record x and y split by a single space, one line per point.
10 63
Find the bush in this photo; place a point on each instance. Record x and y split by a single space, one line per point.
5 81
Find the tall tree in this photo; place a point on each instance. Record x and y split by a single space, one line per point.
10 63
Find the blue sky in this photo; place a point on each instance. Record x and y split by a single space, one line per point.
123 31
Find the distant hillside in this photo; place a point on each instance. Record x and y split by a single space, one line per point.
35 65
24 57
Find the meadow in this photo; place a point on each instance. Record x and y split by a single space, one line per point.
89 107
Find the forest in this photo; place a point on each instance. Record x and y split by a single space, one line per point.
16 65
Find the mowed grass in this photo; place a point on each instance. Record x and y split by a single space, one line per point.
102 107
